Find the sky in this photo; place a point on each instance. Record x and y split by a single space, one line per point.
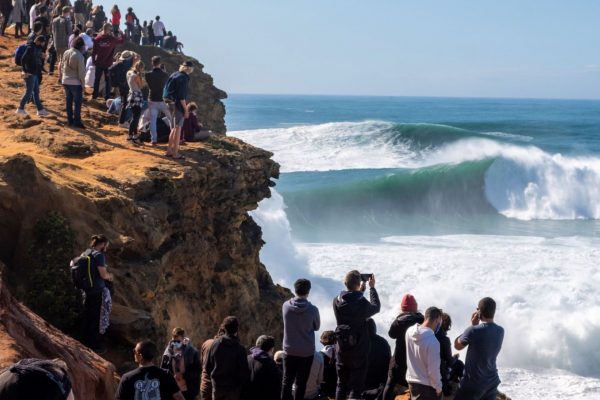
458 48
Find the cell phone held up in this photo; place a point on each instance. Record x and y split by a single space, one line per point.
365 277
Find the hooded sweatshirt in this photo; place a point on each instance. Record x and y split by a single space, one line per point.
265 378
227 364
423 357
300 321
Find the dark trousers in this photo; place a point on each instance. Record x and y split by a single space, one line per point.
422 392
227 394
295 369
97 77
476 393
52 58
74 94
136 112
351 382
396 376
92 306
123 92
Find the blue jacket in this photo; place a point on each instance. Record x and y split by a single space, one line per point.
300 321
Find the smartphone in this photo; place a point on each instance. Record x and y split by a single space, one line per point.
365 277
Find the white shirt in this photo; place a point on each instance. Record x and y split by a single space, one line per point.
32 15
159 28
423 357
89 42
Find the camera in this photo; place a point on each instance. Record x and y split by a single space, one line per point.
365 277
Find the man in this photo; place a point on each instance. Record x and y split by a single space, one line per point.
351 311
130 20
175 95
379 362
181 359
147 381
102 57
205 382
300 321
407 318
423 358
156 80
451 367
73 80
93 295
36 379
62 28
265 378
158 28
484 339
227 363
32 64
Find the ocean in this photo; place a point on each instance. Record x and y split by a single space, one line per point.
451 200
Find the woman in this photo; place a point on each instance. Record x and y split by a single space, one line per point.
151 37
136 98
116 18
33 66
19 14
190 124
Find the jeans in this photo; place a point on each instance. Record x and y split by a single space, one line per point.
136 112
156 107
422 392
98 78
74 94
123 92
159 40
295 369
92 306
351 382
32 88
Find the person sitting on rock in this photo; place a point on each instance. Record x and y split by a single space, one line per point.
451 367
181 359
329 359
265 377
191 127
379 363
227 363
147 381
36 379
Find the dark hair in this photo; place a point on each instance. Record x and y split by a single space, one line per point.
352 280
433 313
230 325
157 17
39 39
178 332
76 32
446 322
98 239
38 26
265 342
156 61
328 338
302 287
487 307
79 43
147 350
79 26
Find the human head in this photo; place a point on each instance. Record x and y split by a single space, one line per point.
192 107
327 338
38 26
39 40
145 24
279 357
157 17
89 32
138 67
66 10
230 325
446 322
408 303
129 9
169 33
433 318
115 8
486 308
302 287
266 343
125 55
99 242
353 280
187 67
156 61
145 352
178 334
107 29
79 44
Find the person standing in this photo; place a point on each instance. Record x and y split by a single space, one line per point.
379 361
62 29
175 95
156 80
227 363
484 341
265 378
130 21
135 98
352 310
147 381
145 34
73 80
18 16
301 320
451 367
182 360
79 11
158 28
205 382
115 18
315 378
32 64
102 57
423 357
407 318
33 14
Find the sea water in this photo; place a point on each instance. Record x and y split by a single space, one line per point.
450 200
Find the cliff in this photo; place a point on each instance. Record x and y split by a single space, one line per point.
183 248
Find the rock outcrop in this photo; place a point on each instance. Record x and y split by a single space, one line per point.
184 250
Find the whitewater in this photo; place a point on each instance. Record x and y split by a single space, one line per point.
450 213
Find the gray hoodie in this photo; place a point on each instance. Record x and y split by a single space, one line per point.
300 321
423 357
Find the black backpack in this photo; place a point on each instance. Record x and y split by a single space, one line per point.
346 337
81 271
117 74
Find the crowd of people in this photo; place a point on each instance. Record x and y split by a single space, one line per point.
80 43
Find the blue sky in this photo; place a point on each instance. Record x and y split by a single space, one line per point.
459 48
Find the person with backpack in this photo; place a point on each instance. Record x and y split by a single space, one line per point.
37 379
73 80
102 57
265 378
90 275
156 80
379 363
130 21
407 318
147 381
62 28
135 98
352 310
31 59
182 360
175 95
301 320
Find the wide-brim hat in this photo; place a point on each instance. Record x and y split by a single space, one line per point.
126 55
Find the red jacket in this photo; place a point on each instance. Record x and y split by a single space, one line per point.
104 49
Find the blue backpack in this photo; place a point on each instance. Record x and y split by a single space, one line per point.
19 54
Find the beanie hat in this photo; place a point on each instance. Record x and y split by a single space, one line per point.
409 303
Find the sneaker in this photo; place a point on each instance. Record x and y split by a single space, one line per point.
43 113
21 112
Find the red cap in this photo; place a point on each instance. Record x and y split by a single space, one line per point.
408 304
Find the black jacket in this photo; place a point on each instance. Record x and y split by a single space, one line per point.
353 309
398 332
379 359
227 363
33 60
193 368
265 377
156 80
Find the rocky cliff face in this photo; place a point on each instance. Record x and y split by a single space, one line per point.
183 247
